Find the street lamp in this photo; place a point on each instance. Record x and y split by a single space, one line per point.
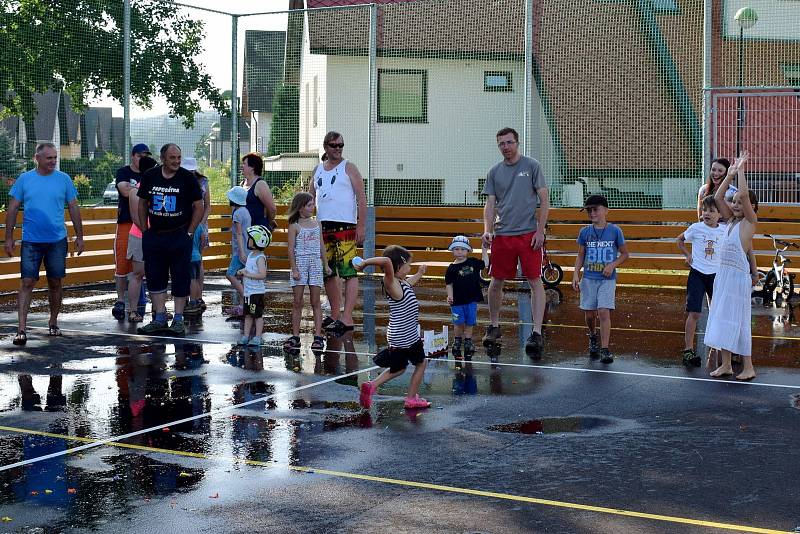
746 18
254 115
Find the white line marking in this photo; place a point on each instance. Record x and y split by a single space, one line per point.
179 421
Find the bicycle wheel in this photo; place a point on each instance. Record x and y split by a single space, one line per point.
552 274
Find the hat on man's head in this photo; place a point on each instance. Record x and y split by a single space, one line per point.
141 148
238 195
460 241
595 200
190 164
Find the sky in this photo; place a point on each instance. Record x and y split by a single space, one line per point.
217 54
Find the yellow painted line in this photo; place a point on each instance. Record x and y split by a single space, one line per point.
422 485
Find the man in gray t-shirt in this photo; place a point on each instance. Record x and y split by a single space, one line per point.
514 189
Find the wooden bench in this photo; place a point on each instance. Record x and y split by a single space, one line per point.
426 231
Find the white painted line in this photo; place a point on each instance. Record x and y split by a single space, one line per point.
179 421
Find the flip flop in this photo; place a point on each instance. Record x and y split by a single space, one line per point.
327 321
54 331
21 338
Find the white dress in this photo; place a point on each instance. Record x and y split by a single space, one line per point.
728 324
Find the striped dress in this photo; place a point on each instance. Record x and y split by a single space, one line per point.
403 329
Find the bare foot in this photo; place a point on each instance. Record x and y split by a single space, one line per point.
746 375
722 370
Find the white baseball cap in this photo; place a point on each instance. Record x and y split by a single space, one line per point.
460 241
190 164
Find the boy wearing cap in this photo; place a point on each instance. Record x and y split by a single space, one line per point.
601 249
127 180
463 279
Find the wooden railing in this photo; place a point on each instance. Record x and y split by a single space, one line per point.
427 231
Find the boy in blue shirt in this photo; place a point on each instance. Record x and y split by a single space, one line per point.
601 249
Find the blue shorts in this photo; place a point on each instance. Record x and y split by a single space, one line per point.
54 256
234 266
465 314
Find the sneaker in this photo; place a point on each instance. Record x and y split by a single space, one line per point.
118 311
534 345
255 341
192 308
244 340
690 358
365 398
416 402
606 356
177 328
153 328
457 347
492 336
594 346
469 348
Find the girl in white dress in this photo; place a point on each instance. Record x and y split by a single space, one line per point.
728 327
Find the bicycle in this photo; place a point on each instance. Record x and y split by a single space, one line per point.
777 284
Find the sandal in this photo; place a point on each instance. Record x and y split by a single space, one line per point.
318 344
135 317
54 331
327 321
21 338
292 343
339 327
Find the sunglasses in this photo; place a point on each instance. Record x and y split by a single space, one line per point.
336 145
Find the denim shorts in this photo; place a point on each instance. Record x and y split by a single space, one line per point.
597 294
235 265
465 314
53 254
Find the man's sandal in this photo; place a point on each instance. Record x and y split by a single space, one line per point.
21 338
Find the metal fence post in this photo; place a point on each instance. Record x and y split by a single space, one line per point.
527 112
708 82
369 238
234 100
126 81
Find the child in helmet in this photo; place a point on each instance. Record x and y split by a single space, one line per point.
463 279
253 275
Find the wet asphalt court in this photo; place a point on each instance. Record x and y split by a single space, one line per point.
193 435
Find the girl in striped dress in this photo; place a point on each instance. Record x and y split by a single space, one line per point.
405 345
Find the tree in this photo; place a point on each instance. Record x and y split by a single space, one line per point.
285 128
10 165
76 46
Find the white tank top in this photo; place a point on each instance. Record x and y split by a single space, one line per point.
253 287
335 198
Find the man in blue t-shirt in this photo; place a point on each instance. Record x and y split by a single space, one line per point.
42 192
601 249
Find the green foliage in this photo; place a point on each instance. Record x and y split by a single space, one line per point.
10 165
285 130
76 45
284 192
201 150
84 186
99 171
219 180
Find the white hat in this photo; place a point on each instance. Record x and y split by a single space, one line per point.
238 195
460 241
190 164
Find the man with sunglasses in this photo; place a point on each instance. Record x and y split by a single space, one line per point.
514 188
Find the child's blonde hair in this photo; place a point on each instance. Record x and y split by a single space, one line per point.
300 199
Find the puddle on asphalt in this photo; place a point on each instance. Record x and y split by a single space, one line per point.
553 425
795 401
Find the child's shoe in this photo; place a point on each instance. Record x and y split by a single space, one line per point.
492 336
292 343
690 358
457 348
469 348
244 340
416 402
594 346
365 398
606 356
533 346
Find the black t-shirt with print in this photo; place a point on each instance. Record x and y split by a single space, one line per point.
169 200
466 280
125 174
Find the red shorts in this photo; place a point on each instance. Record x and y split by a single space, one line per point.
507 250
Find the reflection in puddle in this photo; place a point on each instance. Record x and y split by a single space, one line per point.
552 425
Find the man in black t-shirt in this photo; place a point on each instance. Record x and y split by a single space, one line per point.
463 279
127 179
172 205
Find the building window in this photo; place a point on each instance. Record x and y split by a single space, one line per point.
402 95
792 74
497 81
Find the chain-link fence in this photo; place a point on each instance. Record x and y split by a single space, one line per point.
628 98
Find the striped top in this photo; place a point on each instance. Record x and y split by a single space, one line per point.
403 330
